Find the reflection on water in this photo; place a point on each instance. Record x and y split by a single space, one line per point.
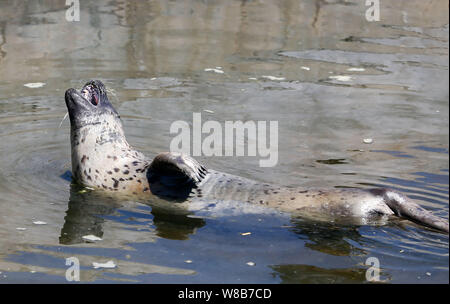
306 274
88 210
329 238
85 216
336 79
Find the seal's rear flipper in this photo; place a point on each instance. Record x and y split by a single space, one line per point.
405 208
174 174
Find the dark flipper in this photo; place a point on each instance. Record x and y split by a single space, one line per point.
405 208
174 174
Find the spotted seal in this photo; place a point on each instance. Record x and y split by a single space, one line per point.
103 159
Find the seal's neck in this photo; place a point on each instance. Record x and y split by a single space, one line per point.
102 157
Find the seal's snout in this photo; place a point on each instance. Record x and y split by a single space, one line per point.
78 107
89 97
70 96
87 105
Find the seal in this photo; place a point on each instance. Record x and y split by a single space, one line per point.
103 159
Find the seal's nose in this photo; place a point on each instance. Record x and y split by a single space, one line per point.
75 102
68 96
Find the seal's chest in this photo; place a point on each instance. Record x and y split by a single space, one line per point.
110 166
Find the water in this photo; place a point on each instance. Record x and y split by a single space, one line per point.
154 55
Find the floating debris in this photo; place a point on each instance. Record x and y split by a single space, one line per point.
245 233
91 238
188 261
428 274
356 69
39 223
109 264
253 78
34 85
273 77
209 111
367 140
214 70
21 229
251 263
305 68
341 77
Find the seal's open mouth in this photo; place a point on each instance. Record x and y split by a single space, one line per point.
87 104
90 93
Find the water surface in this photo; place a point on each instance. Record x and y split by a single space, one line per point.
342 79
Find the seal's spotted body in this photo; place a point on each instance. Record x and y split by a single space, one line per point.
103 159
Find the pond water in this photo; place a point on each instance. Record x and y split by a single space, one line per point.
336 79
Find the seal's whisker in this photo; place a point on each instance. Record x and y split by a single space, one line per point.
64 118
113 93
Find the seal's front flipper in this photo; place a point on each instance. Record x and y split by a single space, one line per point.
174 174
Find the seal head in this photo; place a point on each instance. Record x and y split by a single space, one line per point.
89 104
101 155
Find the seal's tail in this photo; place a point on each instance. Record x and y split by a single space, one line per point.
405 208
